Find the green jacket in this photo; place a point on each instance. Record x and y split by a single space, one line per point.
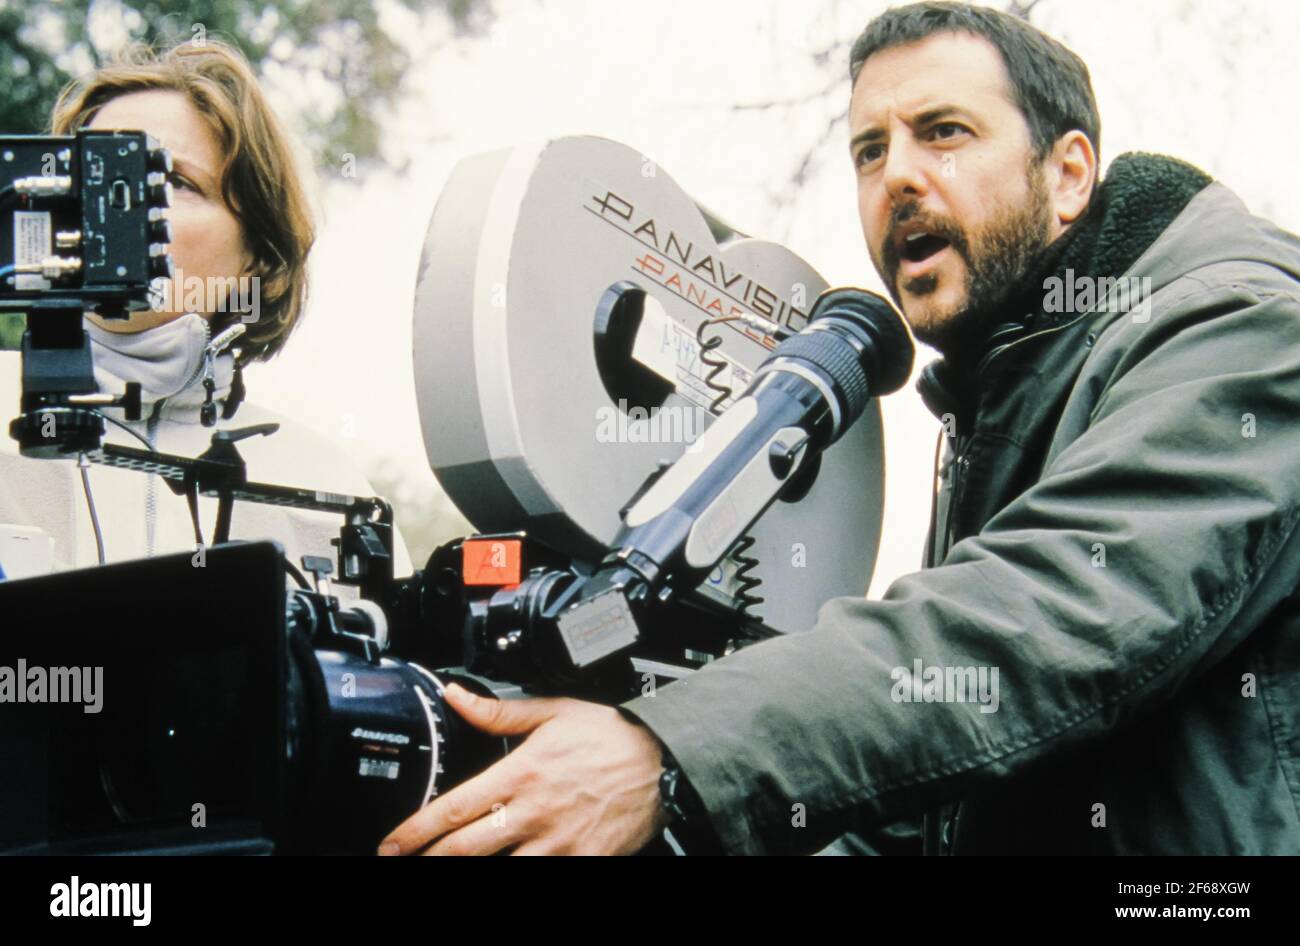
1117 538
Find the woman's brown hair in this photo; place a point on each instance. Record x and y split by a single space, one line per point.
259 178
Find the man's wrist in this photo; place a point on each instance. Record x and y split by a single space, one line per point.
678 798
681 809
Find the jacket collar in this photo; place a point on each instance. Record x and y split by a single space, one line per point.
170 362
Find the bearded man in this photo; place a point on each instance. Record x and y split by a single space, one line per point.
1114 545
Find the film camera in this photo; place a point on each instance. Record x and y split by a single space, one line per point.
646 413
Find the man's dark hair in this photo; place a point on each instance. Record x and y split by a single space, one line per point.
1050 83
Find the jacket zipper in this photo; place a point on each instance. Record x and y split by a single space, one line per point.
961 455
960 462
198 369
151 485
948 815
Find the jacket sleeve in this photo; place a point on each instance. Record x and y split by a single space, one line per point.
1153 544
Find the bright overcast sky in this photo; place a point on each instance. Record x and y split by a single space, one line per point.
1210 82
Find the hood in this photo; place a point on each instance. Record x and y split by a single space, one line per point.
1216 227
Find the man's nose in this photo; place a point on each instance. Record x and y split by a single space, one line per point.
905 170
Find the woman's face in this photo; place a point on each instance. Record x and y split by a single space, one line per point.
207 240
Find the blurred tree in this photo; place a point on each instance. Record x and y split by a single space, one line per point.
11 331
832 61
350 56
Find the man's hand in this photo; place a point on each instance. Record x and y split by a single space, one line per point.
585 781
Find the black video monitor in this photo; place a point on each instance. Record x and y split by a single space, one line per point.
142 704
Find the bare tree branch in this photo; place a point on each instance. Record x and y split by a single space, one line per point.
767 104
835 51
1022 10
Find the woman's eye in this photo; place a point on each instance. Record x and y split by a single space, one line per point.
180 182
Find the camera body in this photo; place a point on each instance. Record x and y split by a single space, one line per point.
284 718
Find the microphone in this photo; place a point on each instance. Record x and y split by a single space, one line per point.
768 444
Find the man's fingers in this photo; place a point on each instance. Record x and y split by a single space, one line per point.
462 805
535 849
495 831
500 717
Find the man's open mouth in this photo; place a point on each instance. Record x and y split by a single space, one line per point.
918 247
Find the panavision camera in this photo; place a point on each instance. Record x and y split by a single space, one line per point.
647 414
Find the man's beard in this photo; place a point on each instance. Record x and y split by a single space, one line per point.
997 257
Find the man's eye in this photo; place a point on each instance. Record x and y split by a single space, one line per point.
869 154
946 130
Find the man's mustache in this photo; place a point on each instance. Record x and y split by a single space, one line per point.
939 226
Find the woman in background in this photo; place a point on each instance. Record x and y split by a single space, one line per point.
240 218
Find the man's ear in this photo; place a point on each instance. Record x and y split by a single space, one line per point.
1072 169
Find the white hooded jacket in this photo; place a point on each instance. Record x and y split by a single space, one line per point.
139 514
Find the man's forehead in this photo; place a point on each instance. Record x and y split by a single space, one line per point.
960 70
